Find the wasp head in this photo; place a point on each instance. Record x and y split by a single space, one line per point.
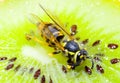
81 55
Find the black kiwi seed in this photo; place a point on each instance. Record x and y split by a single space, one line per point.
17 67
43 79
112 46
97 59
3 58
73 29
114 60
88 70
64 69
77 38
9 66
85 41
96 43
99 68
37 74
13 59
50 80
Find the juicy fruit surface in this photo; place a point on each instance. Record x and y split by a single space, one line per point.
96 20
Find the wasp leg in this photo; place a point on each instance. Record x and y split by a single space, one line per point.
69 61
75 64
52 54
91 61
56 52
69 67
73 30
30 37
71 64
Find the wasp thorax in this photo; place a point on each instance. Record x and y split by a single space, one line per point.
72 46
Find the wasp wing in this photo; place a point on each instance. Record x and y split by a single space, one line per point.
35 19
45 31
53 18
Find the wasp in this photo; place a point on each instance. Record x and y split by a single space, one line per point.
58 38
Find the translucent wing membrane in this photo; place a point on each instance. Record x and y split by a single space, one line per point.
35 19
54 19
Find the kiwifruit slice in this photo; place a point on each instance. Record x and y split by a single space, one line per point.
24 61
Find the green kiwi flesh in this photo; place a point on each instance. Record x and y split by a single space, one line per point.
96 20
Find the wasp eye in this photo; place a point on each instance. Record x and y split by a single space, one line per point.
79 54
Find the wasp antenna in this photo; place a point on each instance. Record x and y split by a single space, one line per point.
91 61
92 64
